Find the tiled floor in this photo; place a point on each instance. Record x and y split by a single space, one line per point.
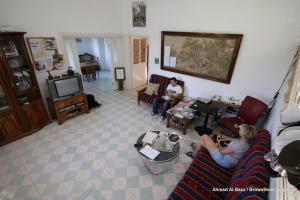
90 156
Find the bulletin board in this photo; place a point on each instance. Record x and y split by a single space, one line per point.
44 53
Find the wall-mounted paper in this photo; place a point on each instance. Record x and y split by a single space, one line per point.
167 61
172 62
35 46
167 51
49 55
120 74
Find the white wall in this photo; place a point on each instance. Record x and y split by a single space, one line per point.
270 28
271 34
45 18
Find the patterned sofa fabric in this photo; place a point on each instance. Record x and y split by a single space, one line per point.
205 179
250 172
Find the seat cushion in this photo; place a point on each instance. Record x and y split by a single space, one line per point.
251 171
229 122
201 177
146 98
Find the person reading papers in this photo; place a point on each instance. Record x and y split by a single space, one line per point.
173 93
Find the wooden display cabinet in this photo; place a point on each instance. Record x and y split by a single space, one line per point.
22 110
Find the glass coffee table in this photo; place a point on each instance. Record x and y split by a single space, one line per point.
163 162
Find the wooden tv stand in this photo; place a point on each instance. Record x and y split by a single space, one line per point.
69 107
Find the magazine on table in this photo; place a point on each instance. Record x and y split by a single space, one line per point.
174 138
149 137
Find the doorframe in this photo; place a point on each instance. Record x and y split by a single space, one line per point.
74 35
147 64
130 50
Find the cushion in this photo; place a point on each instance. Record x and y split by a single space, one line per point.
152 89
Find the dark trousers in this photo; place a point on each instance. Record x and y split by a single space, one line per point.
156 104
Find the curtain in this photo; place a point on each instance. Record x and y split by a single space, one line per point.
108 52
72 54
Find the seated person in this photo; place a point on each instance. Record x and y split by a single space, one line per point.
227 157
173 93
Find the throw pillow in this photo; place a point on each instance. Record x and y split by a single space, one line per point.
156 86
152 89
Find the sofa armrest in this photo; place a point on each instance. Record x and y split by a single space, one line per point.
140 90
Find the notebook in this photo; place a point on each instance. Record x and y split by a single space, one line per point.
149 152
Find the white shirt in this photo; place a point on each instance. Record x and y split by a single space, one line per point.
174 89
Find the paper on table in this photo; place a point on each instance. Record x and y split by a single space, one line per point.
178 115
149 137
149 152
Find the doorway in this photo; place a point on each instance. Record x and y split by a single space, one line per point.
95 58
139 61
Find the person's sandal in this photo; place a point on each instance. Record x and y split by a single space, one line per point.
190 154
193 145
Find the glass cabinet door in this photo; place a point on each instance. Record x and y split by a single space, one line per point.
19 66
3 100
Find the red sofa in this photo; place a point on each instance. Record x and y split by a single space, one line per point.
205 179
163 84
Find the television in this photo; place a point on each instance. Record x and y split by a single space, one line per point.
65 86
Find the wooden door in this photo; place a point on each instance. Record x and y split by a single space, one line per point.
9 127
35 114
139 61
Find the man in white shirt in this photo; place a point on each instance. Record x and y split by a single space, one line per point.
173 93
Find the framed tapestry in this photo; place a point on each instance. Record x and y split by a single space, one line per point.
205 55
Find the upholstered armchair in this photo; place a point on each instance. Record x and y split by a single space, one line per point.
250 111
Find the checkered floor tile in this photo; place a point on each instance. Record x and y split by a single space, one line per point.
91 156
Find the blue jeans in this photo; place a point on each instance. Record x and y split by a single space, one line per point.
157 102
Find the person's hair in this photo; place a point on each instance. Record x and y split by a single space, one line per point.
249 132
173 79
